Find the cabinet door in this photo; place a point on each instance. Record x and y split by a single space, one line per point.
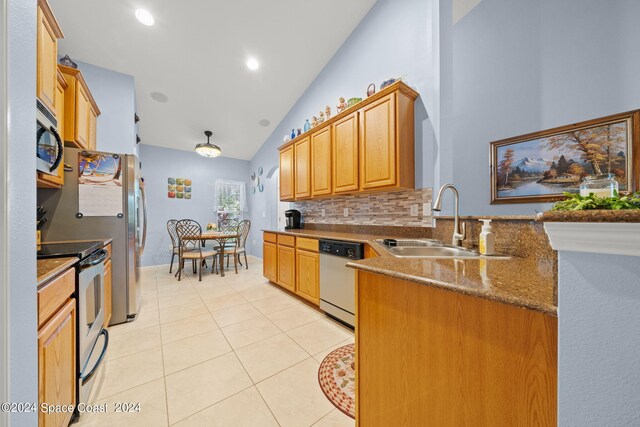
93 120
57 365
378 144
47 59
46 180
286 173
270 261
287 267
321 162
107 293
82 117
302 157
308 275
345 154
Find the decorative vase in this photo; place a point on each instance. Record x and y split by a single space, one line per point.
293 133
307 125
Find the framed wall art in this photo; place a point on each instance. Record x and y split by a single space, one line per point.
541 166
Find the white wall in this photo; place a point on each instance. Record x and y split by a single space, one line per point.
599 340
20 272
115 95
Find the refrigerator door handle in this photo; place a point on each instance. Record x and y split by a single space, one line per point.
144 219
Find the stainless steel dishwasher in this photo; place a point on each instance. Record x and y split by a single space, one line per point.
337 282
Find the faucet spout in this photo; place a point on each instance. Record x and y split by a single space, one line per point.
459 229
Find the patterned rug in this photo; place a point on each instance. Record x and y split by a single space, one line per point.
337 378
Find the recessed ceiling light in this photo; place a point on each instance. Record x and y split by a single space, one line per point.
253 64
145 17
264 122
159 96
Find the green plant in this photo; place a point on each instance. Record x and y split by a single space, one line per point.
576 202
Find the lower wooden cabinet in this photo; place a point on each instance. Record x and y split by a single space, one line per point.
57 365
270 261
462 360
293 263
287 267
107 293
308 275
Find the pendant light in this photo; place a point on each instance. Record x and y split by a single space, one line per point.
208 149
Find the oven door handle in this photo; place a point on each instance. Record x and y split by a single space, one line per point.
88 376
60 149
95 260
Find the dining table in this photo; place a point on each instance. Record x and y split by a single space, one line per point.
222 237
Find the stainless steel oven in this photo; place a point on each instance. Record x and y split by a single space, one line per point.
49 147
91 349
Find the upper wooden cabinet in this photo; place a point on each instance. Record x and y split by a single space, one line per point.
56 181
345 154
321 162
286 174
48 33
302 159
378 144
369 147
80 111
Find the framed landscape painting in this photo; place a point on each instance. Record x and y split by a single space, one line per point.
541 166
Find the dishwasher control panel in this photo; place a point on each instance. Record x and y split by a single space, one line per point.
342 249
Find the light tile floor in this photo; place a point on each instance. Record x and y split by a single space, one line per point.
233 351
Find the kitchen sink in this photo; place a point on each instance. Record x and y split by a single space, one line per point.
425 248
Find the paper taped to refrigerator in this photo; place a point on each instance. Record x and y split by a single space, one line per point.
99 184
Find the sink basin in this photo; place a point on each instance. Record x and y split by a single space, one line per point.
431 252
425 248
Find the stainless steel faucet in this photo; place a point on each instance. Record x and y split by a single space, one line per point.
459 229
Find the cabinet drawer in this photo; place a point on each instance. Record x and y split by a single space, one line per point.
271 237
53 295
307 244
284 240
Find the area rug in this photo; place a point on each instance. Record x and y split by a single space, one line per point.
337 378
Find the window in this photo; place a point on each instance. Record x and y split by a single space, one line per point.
231 200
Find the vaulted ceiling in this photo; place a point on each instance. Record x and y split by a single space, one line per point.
194 60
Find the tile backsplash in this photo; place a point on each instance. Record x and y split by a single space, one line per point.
384 208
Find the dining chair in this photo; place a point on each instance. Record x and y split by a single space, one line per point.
243 230
190 246
228 225
175 241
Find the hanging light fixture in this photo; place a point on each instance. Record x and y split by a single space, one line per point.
208 149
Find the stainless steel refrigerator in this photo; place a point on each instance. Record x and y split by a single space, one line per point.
126 228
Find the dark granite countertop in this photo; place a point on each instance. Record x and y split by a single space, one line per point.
50 268
627 215
524 282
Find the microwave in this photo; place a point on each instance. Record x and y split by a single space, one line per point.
49 147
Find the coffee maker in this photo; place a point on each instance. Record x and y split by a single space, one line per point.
293 219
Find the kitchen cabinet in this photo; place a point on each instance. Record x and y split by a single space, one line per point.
321 162
81 111
270 257
464 360
56 181
302 175
369 147
286 174
345 154
377 144
287 267
57 347
48 32
308 269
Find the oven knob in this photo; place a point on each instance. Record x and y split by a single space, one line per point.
350 253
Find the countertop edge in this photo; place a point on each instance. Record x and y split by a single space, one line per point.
594 215
67 263
541 308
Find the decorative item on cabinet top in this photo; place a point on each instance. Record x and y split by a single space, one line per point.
67 62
